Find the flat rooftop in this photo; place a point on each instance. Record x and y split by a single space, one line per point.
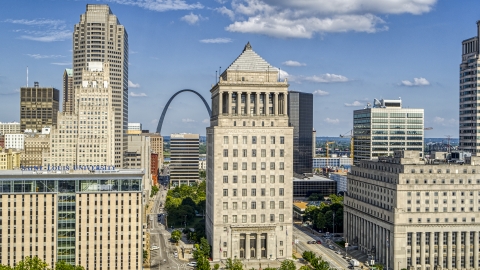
313 178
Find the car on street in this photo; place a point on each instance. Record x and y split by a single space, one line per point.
319 242
175 254
194 264
154 248
330 247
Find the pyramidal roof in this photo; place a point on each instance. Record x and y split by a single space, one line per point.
250 61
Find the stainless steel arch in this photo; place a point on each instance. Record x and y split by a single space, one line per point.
160 122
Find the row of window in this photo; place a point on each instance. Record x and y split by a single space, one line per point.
253 192
263 166
263 152
253 139
253 179
444 193
437 220
253 205
443 181
253 218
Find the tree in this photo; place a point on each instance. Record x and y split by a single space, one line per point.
31 263
309 256
202 263
176 235
216 266
321 265
62 265
154 191
234 264
319 221
202 249
145 255
287 265
5 267
329 219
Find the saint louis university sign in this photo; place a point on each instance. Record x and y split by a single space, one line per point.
68 168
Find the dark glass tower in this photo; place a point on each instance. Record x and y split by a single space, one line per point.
300 114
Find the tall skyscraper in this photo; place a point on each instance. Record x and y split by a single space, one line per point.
249 163
469 115
184 152
386 127
38 107
300 116
68 94
100 38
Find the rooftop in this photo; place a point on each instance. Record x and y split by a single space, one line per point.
312 178
250 61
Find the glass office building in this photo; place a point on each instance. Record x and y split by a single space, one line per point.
300 114
303 188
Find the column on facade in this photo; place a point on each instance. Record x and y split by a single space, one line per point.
475 249
440 248
259 246
422 250
414 248
467 250
378 242
275 103
220 103
247 104
247 246
229 104
257 100
431 249
458 249
449 250
285 103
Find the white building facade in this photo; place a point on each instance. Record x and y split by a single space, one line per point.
15 141
249 163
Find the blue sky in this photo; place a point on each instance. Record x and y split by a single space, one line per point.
346 52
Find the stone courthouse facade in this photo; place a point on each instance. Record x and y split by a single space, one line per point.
249 163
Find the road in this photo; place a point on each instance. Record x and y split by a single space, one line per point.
335 260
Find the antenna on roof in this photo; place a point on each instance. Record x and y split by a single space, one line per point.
27 76
216 77
219 72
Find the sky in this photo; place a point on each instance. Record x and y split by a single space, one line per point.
345 52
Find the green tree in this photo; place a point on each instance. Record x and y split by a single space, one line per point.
304 267
216 266
272 268
309 256
336 199
378 266
176 235
154 191
319 221
321 265
287 265
5 267
31 263
329 219
62 265
202 249
233 264
145 255
202 263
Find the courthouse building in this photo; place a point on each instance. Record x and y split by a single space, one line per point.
415 213
249 163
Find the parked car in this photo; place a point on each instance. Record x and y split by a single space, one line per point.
175 254
194 264
154 248
319 242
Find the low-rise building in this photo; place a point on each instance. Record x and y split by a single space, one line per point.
332 162
299 209
15 141
9 159
134 128
304 187
35 146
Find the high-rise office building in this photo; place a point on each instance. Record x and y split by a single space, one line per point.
38 107
249 163
413 213
100 38
184 154
300 116
469 87
68 105
384 128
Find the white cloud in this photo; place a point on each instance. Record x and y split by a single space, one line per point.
187 120
291 63
320 93
304 19
47 30
227 12
332 121
49 36
159 5
356 103
62 63
416 82
133 94
206 121
438 119
133 85
36 22
284 75
192 18
216 40
327 78
43 56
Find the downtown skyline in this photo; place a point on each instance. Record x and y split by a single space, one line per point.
371 52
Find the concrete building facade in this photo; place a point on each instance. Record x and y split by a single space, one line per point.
249 163
184 156
35 146
15 141
9 159
9 127
416 213
134 128
341 179
38 107
386 127
68 104
88 219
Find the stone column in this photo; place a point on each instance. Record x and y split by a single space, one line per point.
440 248
229 104
475 250
432 250
422 250
257 100
449 250
467 250
259 246
285 103
247 104
275 103
220 102
247 246
458 249
414 249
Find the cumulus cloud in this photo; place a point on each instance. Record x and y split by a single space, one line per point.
332 121
320 93
327 78
43 56
133 94
304 19
206 121
227 12
43 30
159 5
445 122
291 63
284 75
416 82
216 40
133 85
192 18
356 103
187 120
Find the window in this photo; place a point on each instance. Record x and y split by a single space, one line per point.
244 139
225 166
272 152
234 205
272 192
234 192
225 152
263 165
244 153
263 205
272 165
244 166
235 152
262 192
225 179
235 166
280 218
272 218
264 153
244 205
272 204
225 192
225 139
272 179
263 179
254 192
282 140
254 139
244 218
254 179
234 219
225 219
254 218
254 205
235 139
254 166
280 191
281 178
244 192
281 204
281 165
263 139
254 152
244 179
272 139
225 205
235 179
262 218
282 153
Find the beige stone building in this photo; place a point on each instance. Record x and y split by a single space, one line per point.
156 143
35 146
9 159
88 219
415 213
139 156
249 163
10 127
